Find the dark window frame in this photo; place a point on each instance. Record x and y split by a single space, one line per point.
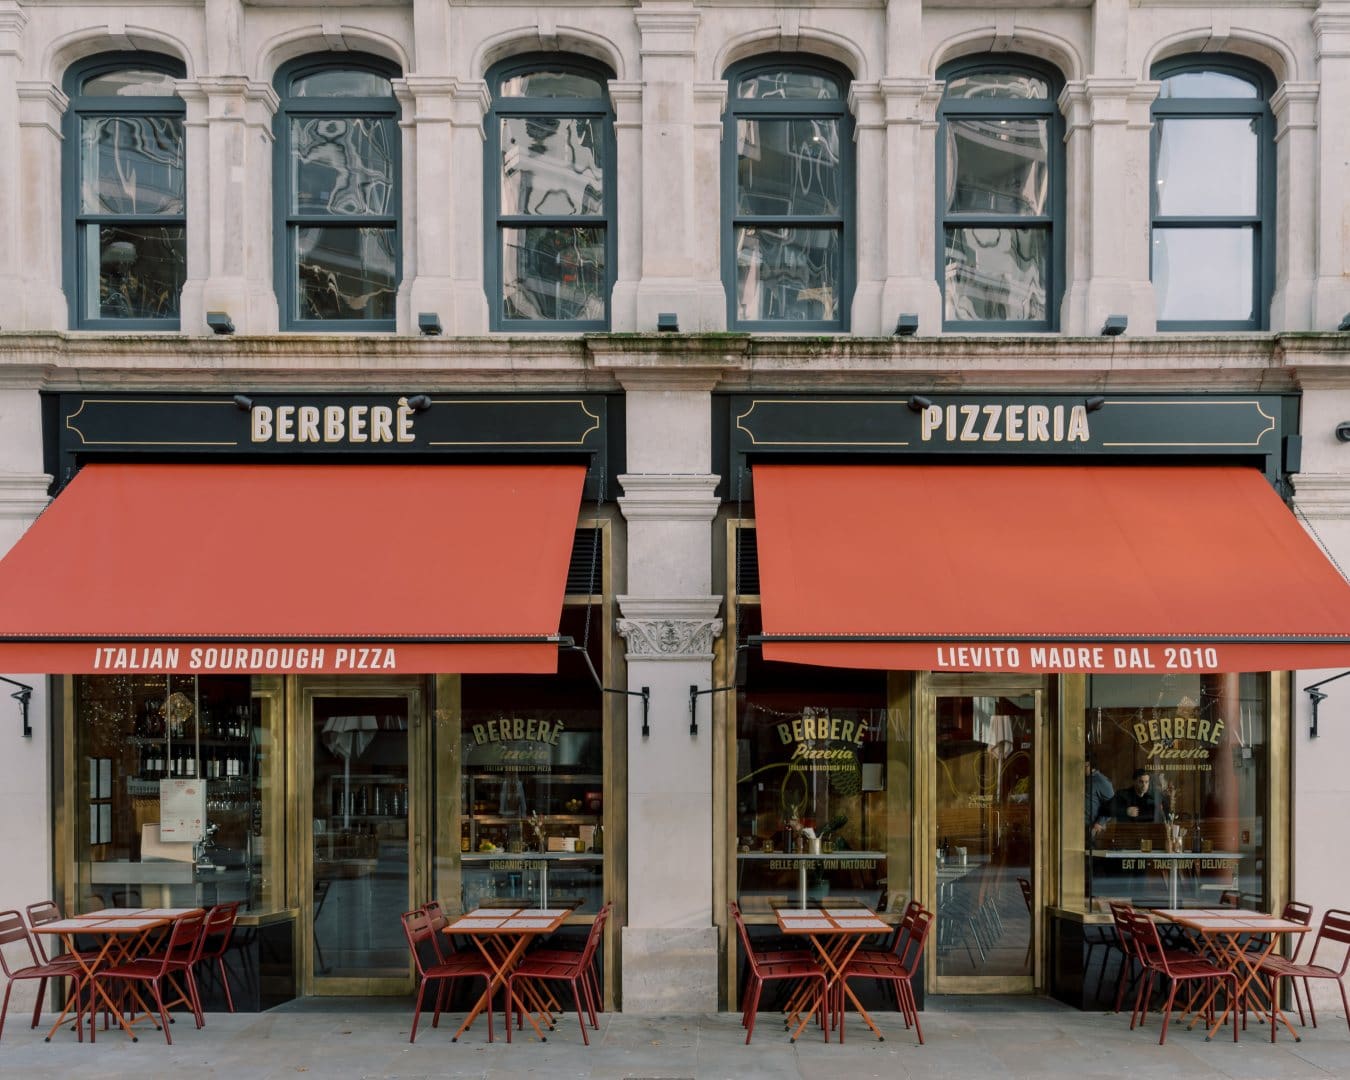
845 221
285 223
495 222
1263 221
73 218
1054 222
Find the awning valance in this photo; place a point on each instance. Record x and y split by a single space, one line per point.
250 568
1041 568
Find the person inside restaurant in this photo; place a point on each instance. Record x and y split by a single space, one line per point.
1136 802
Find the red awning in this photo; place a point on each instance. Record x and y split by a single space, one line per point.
1041 568
293 568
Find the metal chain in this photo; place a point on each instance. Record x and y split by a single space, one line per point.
1298 513
595 553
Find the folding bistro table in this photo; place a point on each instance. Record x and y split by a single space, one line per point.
1219 930
123 936
836 933
501 935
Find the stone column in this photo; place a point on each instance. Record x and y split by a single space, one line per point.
229 203
1295 109
874 183
1331 27
626 97
909 255
12 21
38 300
1107 212
442 235
670 955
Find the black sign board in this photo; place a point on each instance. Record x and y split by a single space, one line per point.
370 427
1038 426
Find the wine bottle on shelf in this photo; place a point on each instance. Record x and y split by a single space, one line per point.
189 764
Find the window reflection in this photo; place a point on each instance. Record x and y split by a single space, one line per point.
342 165
789 274
551 166
1011 85
553 273
788 167
1206 167
1207 84
1176 784
998 165
345 273
996 273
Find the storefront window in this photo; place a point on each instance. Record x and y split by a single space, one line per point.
811 779
1177 785
174 775
532 785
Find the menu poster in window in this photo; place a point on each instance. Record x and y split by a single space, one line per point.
182 811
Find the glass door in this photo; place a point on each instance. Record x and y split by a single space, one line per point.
360 835
983 840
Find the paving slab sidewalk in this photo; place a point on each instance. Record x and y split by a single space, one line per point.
965 1037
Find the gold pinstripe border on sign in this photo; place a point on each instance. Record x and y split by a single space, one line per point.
595 421
816 401
1270 421
144 442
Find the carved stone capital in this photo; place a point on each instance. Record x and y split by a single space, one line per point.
676 639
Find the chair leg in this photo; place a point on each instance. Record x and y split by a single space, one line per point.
37 1008
510 996
417 1009
1298 1000
581 1015
756 987
1167 1012
1344 1004
1312 1009
225 982
163 1014
5 1007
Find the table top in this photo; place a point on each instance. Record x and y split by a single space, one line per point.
830 920
509 921
1230 921
807 856
84 925
140 913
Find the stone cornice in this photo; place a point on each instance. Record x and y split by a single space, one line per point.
669 639
23 495
737 362
668 496
1322 496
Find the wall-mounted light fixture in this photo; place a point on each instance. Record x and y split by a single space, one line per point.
220 322
1343 431
1115 325
906 325
668 322
430 324
419 403
1345 323
242 401
1316 697
23 695
1094 403
918 402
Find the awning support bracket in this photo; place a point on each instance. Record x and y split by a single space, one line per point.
23 695
1317 697
737 683
570 645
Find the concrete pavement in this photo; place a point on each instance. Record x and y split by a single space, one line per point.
965 1037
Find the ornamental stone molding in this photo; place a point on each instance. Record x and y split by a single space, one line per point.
670 627
668 497
1322 496
670 639
23 497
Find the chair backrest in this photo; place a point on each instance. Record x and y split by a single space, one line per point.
217 929
1148 944
417 929
920 926
40 914
185 942
1335 927
904 929
1299 913
12 929
593 938
745 937
1121 914
436 924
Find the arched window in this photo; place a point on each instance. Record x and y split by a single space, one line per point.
124 189
787 195
1213 195
549 194
336 187
1000 189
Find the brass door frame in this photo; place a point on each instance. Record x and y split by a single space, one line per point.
932 686
301 692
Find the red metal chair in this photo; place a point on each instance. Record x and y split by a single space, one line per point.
217 930
1335 927
418 930
563 966
897 970
12 929
563 955
178 956
762 970
1176 969
48 911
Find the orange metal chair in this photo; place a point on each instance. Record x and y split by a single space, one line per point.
1176 969
417 928
1334 928
563 955
762 970
12 929
561 966
897 970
